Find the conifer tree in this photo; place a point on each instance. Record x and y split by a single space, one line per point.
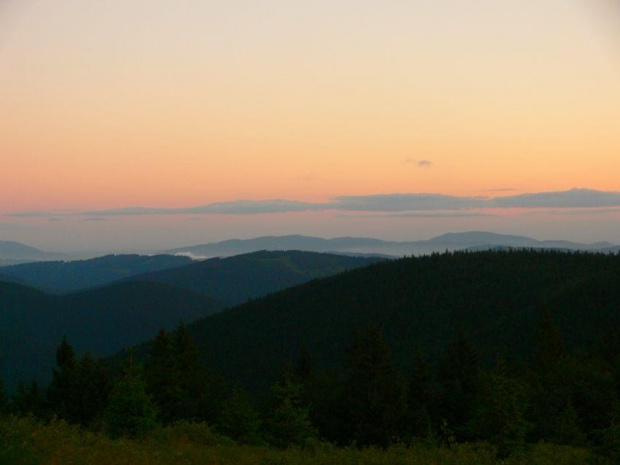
375 394
548 346
288 423
459 377
420 398
130 411
29 400
305 365
61 393
3 397
239 420
501 414
91 386
162 378
178 382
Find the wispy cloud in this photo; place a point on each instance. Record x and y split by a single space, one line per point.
574 198
413 204
236 207
418 215
420 163
406 202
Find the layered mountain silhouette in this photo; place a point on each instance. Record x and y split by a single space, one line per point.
356 245
15 252
69 276
102 320
106 319
497 298
239 278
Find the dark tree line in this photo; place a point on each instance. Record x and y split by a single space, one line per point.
556 396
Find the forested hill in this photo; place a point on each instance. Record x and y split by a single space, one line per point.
242 277
71 276
102 321
496 298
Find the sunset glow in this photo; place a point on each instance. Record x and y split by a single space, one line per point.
156 104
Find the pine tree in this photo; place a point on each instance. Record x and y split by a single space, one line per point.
91 386
239 420
178 382
61 393
374 393
3 397
288 423
162 378
420 399
548 346
29 401
305 365
501 415
130 411
459 377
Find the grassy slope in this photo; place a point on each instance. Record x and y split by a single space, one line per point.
24 441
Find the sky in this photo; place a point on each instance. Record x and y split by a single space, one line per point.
151 124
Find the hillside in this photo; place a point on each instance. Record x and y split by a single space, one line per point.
11 251
496 297
102 320
249 276
358 245
70 276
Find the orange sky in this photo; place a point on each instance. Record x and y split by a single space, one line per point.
176 104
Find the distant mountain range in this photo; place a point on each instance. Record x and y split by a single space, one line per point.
106 319
15 252
239 278
70 276
356 245
232 279
102 320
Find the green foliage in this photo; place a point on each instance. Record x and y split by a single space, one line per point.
497 298
29 400
459 377
240 278
79 389
4 400
130 411
103 321
288 422
178 382
239 419
374 393
548 346
420 399
24 441
501 414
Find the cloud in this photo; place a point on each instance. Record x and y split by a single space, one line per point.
407 202
574 198
420 163
419 215
575 212
236 207
28 214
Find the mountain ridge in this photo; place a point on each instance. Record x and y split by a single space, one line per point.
446 242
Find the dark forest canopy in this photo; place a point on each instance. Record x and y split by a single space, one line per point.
496 298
